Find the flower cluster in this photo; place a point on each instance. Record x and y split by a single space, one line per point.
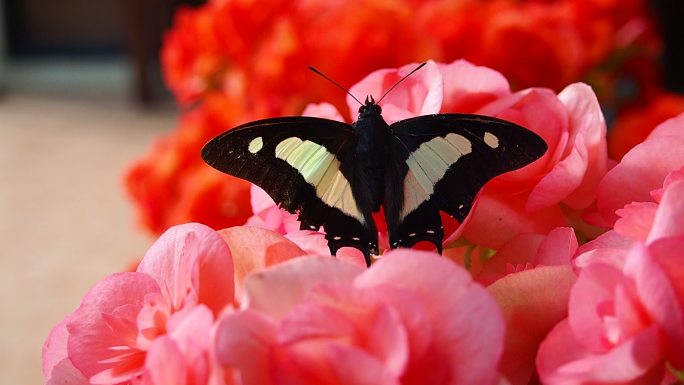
230 61
247 306
567 271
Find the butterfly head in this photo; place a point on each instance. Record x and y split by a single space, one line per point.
370 107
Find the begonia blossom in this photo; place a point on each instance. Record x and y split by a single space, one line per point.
156 325
625 324
411 318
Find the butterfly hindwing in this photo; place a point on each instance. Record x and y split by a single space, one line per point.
440 162
305 164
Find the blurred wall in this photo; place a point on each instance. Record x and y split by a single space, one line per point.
65 27
3 49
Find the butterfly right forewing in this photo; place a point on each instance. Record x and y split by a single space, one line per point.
440 163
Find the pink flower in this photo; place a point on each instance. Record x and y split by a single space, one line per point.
641 171
653 208
412 318
156 325
624 323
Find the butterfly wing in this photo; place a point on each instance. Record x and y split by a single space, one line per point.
305 164
440 162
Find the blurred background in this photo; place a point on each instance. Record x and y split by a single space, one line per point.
97 157
81 96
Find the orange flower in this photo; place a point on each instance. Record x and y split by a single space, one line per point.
240 60
171 184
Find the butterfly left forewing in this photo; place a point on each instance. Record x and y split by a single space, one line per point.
305 164
440 162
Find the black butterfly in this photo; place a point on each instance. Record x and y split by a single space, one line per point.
336 175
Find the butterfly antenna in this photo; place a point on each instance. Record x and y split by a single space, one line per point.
335 83
401 80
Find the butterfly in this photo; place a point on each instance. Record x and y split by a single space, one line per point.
336 175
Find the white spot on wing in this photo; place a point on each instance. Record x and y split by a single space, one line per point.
320 169
491 140
427 166
255 145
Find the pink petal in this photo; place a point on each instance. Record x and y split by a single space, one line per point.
564 178
243 341
609 247
91 337
55 347
323 110
421 272
671 178
558 348
165 364
191 263
311 320
500 216
64 373
412 312
562 360
276 290
388 340
357 367
469 87
669 128
260 199
595 287
342 312
659 297
578 165
642 170
558 247
533 302
669 219
636 219
589 126
57 368
668 254
191 328
254 248
471 337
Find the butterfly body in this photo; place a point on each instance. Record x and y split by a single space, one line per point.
372 137
337 175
